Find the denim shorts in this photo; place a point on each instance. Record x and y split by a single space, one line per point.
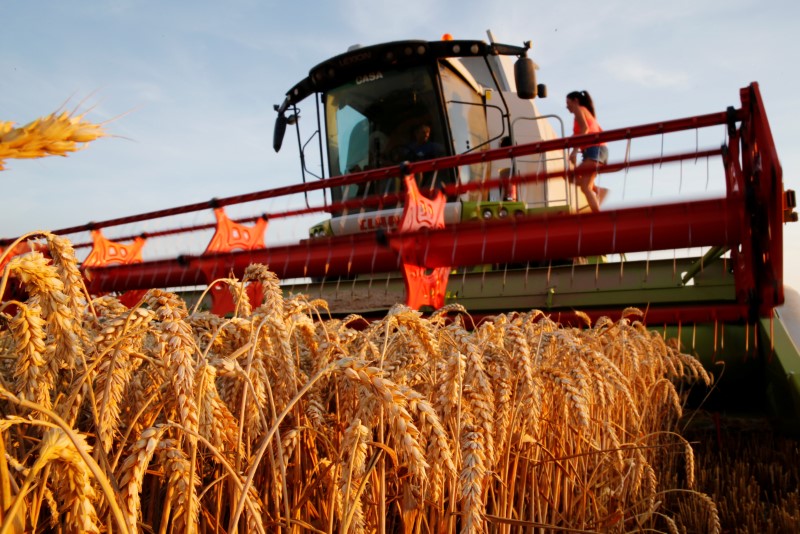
598 153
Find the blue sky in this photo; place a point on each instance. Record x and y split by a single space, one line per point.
191 85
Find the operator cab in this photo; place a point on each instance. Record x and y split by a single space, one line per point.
390 103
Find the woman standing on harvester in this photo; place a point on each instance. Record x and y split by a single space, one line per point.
580 104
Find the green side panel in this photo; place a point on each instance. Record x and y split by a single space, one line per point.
756 370
567 286
782 360
731 353
491 210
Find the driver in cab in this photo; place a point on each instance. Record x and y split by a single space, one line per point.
421 147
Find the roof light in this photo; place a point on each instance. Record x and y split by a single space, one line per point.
447 37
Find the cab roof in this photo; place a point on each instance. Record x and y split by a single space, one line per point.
339 69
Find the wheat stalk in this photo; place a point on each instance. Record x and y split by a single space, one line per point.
115 343
181 487
78 442
131 473
351 473
404 432
273 303
439 454
66 265
42 282
216 422
76 493
53 135
178 350
471 480
32 381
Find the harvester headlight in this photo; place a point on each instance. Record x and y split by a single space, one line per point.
502 213
487 214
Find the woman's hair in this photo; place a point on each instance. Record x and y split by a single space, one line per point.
584 99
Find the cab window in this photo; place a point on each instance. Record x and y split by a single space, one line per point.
374 122
465 111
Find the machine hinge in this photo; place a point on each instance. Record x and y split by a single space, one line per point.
789 204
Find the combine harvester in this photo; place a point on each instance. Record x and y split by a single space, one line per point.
484 214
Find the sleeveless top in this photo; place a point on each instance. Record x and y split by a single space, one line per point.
592 125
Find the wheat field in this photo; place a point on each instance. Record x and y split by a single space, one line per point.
162 418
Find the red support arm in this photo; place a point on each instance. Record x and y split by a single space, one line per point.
423 287
107 252
229 236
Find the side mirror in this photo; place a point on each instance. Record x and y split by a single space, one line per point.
525 77
280 131
541 90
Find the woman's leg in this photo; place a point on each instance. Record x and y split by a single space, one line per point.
585 175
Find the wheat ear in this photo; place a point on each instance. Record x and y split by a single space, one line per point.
75 490
353 458
179 350
471 480
403 430
181 487
131 474
76 440
32 381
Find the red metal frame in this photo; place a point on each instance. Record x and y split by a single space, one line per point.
748 221
701 223
764 182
